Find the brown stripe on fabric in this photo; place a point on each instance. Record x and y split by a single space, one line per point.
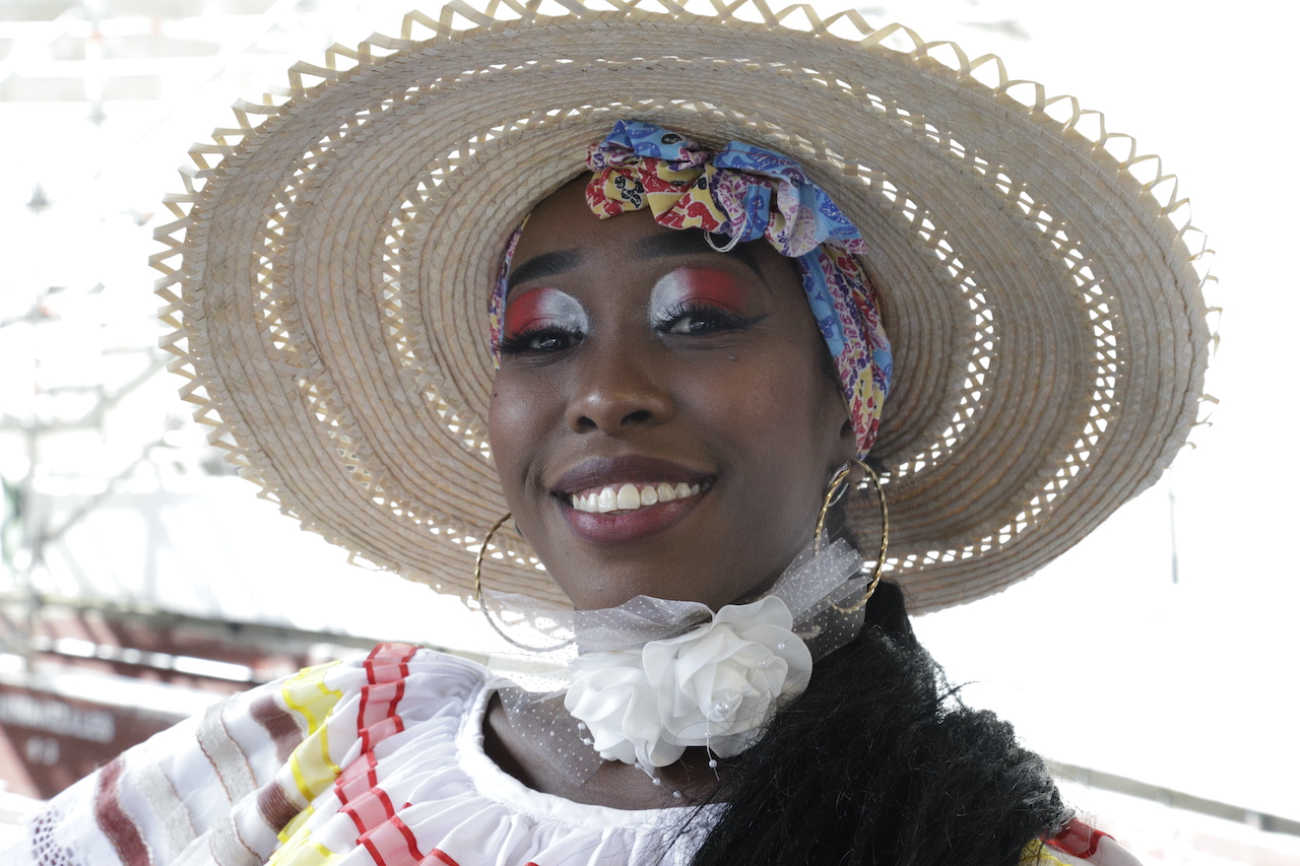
113 820
275 807
228 849
279 723
170 809
224 754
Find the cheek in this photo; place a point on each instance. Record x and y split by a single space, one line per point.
797 387
514 421
778 406
800 417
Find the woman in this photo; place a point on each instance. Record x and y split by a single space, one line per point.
683 349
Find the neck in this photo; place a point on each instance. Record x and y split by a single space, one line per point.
614 784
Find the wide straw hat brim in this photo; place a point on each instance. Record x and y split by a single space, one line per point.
329 270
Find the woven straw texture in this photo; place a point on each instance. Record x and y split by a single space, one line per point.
328 271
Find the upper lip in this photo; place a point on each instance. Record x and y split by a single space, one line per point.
603 471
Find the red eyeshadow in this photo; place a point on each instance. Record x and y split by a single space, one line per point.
700 285
542 307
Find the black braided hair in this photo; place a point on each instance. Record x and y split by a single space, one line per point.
878 762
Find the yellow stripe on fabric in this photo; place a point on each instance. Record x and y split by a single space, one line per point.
302 850
306 694
1038 854
291 829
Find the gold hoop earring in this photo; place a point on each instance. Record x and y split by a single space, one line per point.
478 594
834 491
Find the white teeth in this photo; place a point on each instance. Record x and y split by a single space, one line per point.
628 497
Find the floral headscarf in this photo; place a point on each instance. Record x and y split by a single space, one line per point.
746 193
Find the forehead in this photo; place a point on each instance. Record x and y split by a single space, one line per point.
564 221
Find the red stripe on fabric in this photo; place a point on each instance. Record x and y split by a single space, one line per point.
380 731
382 699
1078 839
370 810
389 673
389 662
356 769
359 778
379 699
398 694
388 842
393 653
113 820
386 671
436 856
368 806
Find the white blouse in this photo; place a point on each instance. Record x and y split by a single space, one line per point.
376 761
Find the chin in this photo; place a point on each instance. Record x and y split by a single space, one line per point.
675 582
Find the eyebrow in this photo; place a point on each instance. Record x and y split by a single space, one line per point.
671 243
545 265
680 243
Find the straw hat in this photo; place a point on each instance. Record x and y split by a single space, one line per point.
331 262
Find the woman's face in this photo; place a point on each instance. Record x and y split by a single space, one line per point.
662 420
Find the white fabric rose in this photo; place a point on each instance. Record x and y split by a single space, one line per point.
719 684
612 697
715 686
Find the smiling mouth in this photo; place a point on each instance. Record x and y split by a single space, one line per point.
621 498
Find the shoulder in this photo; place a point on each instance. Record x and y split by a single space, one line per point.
1078 844
250 763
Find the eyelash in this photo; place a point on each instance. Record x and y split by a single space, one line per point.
524 342
715 319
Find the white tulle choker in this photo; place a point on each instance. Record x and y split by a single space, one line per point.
653 677
713 686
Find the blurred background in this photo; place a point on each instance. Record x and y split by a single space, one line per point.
1154 665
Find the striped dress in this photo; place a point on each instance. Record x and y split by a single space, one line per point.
377 762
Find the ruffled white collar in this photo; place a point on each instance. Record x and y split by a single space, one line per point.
654 677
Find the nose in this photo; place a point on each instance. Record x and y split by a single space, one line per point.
616 392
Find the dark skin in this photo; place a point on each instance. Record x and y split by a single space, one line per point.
643 348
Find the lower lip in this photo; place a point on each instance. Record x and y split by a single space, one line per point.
626 526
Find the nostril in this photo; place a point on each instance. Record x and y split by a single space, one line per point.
615 404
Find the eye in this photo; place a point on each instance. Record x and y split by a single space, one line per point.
542 321
697 319
540 341
698 301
